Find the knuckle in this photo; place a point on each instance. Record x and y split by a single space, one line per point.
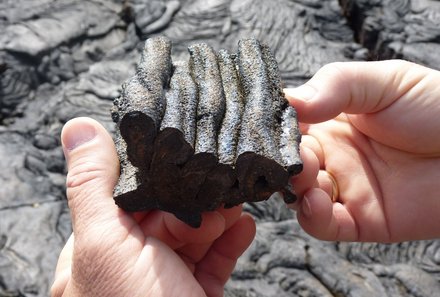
85 179
337 69
82 172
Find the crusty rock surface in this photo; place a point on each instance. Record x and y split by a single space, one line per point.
187 144
48 76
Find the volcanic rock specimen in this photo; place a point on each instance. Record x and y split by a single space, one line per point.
214 131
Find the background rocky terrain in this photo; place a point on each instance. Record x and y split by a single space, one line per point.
61 59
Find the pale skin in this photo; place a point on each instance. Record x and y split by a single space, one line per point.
113 253
375 126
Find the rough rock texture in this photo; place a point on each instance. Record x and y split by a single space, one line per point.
396 29
187 144
67 58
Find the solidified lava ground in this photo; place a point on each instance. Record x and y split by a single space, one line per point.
68 58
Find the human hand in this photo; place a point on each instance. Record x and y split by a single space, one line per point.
114 253
375 127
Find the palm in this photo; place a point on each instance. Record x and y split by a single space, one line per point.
383 149
113 253
381 179
161 255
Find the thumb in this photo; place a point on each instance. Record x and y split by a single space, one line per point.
353 87
93 170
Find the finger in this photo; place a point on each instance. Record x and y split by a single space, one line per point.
195 252
325 182
63 269
352 87
191 254
176 234
139 216
93 170
325 220
65 258
215 269
313 144
304 127
213 225
307 178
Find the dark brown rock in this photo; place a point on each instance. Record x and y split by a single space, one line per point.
215 131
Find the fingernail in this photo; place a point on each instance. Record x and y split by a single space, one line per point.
304 92
79 135
305 207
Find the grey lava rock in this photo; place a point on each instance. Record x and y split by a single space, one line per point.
61 59
214 131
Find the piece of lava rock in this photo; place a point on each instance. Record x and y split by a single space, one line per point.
193 136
